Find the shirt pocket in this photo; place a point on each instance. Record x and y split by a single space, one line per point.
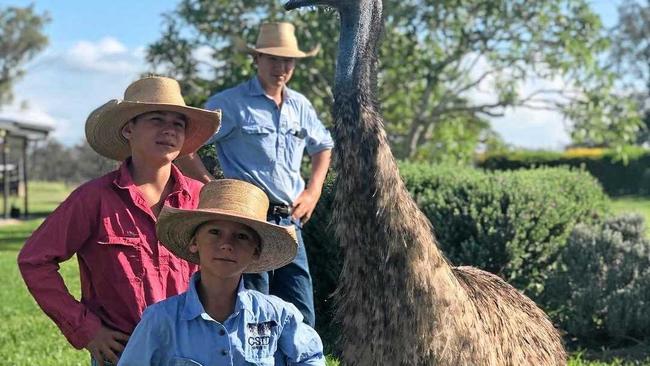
179 361
121 257
257 144
295 138
261 343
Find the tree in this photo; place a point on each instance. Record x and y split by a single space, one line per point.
88 164
52 161
434 54
631 55
21 38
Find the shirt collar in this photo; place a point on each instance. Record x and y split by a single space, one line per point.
255 89
180 181
124 179
193 307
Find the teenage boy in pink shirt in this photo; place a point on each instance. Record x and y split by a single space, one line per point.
110 222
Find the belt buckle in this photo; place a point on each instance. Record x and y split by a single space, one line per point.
281 210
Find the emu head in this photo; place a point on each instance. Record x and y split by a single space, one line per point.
361 24
336 4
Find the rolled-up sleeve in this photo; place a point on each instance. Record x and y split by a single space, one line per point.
299 342
318 138
60 236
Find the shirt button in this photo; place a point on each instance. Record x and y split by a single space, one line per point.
222 332
224 352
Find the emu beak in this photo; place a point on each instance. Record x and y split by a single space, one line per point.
295 4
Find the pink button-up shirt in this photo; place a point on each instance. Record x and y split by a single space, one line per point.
123 267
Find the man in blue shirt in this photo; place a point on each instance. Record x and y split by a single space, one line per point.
265 129
217 321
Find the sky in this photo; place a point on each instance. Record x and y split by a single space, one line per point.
96 50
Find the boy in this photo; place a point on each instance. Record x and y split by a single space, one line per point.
266 129
109 222
217 321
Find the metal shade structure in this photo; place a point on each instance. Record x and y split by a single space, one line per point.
15 172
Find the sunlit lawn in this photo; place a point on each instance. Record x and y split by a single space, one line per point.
640 205
28 337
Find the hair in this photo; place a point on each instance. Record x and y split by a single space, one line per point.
134 119
256 235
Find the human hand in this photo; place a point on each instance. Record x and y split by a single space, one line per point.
107 345
304 205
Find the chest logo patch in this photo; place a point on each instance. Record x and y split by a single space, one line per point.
259 334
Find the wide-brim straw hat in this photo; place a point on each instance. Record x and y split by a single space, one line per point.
104 125
279 39
232 200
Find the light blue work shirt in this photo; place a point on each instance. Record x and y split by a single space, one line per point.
263 144
262 330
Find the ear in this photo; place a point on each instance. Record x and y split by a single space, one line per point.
257 252
127 130
193 248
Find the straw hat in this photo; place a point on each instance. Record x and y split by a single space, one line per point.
232 200
279 39
104 124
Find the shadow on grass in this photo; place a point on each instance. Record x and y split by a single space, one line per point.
12 244
638 354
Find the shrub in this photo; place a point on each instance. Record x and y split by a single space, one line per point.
620 174
601 287
509 223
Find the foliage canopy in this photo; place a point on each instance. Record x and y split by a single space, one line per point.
441 62
21 38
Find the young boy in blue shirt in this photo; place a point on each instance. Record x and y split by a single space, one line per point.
217 321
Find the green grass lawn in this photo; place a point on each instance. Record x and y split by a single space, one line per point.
28 337
640 205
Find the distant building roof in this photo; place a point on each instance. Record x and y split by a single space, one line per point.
29 130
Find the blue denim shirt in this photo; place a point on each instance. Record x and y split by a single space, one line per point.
262 330
263 144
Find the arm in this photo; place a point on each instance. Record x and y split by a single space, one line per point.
304 205
299 342
62 235
192 166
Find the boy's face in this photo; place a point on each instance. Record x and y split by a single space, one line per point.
225 248
274 71
156 135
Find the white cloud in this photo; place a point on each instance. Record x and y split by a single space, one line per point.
521 126
106 55
207 64
67 84
533 129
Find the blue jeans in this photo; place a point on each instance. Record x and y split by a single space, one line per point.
292 282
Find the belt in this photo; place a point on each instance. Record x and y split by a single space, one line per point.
279 209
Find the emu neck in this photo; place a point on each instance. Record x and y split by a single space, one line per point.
360 28
382 211
395 282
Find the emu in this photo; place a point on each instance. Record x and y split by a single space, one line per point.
399 300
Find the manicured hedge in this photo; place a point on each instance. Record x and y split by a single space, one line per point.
510 223
627 174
